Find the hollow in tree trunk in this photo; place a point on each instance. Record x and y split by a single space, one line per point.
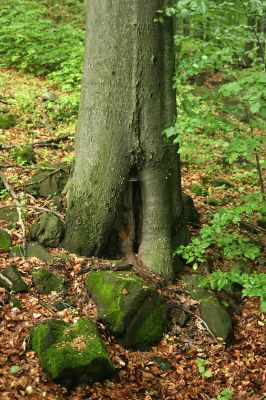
126 179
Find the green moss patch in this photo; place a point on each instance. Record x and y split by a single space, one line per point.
24 155
9 214
8 121
134 311
198 190
5 240
71 354
47 281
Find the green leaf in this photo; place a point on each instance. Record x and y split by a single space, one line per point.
14 369
207 374
255 107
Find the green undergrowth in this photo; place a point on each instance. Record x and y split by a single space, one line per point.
46 38
220 83
253 284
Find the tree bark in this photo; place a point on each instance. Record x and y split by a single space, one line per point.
127 100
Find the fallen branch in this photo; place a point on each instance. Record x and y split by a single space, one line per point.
44 143
201 320
18 206
44 209
6 280
54 171
105 267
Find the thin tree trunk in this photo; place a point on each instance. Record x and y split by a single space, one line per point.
127 100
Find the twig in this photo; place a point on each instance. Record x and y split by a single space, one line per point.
18 206
201 320
39 143
58 214
26 167
6 280
54 171
42 303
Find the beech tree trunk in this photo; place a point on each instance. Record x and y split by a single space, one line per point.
126 179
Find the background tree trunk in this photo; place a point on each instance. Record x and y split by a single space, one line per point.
127 100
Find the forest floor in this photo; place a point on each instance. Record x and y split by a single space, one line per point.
169 370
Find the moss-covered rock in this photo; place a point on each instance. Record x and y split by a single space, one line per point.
198 190
216 317
5 240
24 155
47 281
33 250
180 317
212 311
8 120
18 284
47 230
49 181
191 214
8 214
194 288
242 266
213 201
71 354
38 251
134 311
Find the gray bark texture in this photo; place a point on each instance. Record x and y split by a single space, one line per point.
127 100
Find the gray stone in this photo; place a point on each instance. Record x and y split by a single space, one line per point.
71 353
62 304
48 182
33 250
49 96
18 284
47 230
212 311
163 364
191 214
134 311
180 317
47 281
216 317
194 288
